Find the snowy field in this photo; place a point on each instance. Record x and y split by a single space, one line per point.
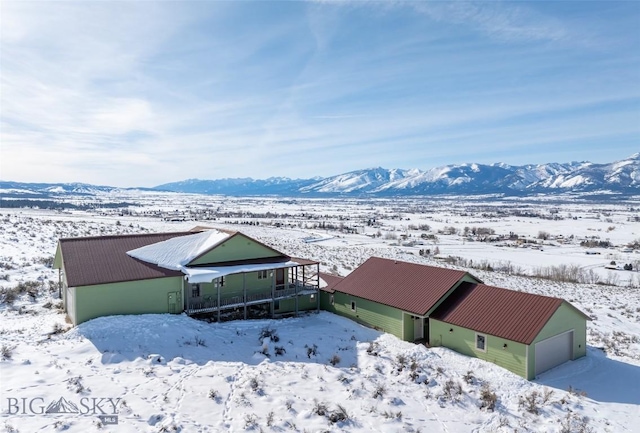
316 373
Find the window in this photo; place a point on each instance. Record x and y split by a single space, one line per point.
481 342
219 282
332 300
195 290
312 297
353 305
262 274
276 304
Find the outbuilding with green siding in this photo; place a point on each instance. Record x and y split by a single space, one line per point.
522 332
393 296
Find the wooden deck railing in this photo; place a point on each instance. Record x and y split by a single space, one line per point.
210 304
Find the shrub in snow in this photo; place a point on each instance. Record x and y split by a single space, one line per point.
401 360
250 421
75 384
340 414
335 360
6 352
320 408
268 332
373 349
311 350
488 398
451 390
289 404
214 395
573 423
279 350
469 377
254 384
530 402
58 329
380 391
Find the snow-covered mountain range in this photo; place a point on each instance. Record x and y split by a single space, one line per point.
621 177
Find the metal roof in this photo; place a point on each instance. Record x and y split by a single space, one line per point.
331 281
104 259
512 315
407 286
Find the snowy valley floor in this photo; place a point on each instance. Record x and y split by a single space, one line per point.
165 373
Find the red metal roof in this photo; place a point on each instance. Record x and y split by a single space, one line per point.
508 314
104 259
410 287
331 281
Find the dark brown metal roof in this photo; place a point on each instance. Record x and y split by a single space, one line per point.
515 316
410 287
304 262
331 281
104 259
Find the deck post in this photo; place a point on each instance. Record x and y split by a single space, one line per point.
318 287
273 297
244 292
295 288
218 286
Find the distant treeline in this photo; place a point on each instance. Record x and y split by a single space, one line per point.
56 205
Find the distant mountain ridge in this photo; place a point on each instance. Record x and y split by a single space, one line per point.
621 177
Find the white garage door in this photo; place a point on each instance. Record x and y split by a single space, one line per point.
554 351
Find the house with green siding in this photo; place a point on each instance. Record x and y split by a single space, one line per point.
217 273
524 333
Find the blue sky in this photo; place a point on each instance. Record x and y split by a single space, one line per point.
143 93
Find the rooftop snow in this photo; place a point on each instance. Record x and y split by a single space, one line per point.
177 252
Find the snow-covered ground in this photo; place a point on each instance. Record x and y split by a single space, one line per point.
324 373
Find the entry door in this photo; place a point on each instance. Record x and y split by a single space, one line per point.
280 278
173 298
418 328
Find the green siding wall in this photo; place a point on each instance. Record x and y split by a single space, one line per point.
407 327
132 297
305 303
233 285
387 319
237 247
463 340
565 318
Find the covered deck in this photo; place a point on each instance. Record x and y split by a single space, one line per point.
302 278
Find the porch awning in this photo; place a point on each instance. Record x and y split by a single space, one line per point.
210 273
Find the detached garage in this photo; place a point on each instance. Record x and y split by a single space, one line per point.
525 333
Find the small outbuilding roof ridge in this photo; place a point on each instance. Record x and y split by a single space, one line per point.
407 286
504 313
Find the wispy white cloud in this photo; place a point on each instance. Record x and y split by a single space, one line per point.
144 93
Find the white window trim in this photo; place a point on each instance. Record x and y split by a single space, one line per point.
475 343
